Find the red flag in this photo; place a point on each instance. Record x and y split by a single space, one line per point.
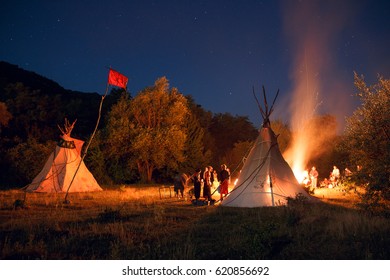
117 79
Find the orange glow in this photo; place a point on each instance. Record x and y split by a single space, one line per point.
301 175
298 174
297 156
311 47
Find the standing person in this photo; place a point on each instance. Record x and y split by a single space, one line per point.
224 177
215 182
197 182
313 177
180 184
207 184
336 174
228 170
211 169
213 179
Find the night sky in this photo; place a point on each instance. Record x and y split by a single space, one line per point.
215 51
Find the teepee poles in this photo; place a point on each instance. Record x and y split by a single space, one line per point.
265 103
263 114
273 103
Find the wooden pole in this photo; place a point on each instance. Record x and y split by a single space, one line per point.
272 192
89 143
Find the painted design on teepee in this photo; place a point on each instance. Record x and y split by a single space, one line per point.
64 166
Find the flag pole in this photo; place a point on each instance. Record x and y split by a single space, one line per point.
89 143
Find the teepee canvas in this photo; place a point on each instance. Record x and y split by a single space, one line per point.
266 179
59 171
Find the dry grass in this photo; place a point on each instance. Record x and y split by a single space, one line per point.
338 197
142 222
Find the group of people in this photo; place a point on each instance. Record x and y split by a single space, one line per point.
333 180
207 179
311 178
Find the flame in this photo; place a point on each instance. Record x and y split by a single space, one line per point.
298 174
311 44
298 156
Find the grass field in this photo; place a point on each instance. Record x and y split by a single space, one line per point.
143 222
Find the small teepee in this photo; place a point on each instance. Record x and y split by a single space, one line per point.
266 179
59 171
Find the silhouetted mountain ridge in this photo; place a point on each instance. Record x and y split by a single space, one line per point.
43 103
11 74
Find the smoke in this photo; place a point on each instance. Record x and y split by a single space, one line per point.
312 30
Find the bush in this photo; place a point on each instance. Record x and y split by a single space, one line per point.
27 159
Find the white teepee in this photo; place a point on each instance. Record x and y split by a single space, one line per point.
59 171
266 179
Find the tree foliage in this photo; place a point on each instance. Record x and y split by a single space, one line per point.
5 116
158 118
37 114
235 158
283 132
367 137
149 130
27 159
195 151
228 130
118 139
199 142
96 160
157 133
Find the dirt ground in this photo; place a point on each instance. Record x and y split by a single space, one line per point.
337 196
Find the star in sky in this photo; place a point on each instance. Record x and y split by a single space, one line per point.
205 48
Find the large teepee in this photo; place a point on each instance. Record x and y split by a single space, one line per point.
65 168
266 179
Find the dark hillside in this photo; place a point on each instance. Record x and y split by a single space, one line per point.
11 74
37 105
28 93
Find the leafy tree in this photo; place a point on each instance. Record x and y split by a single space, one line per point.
235 158
367 138
27 159
5 116
228 130
149 130
283 133
158 120
119 136
36 115
95 160
197 148
194 149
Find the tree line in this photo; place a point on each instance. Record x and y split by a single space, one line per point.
161 132
148 137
